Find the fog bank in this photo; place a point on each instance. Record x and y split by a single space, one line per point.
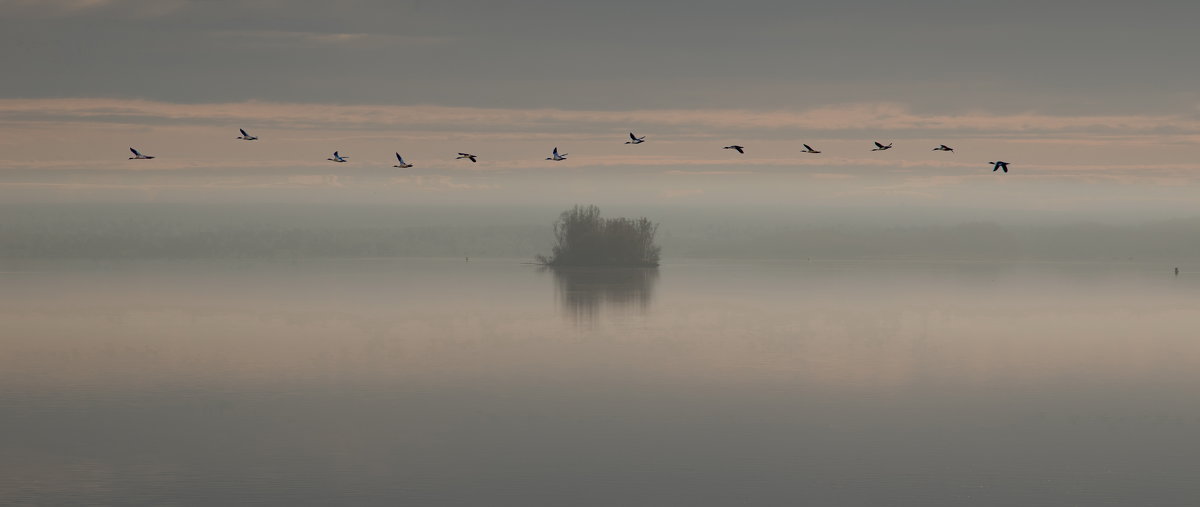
195 231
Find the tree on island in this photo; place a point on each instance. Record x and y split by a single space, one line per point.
584 238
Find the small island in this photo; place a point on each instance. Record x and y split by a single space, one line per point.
584 238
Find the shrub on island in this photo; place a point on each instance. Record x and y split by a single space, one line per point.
584 238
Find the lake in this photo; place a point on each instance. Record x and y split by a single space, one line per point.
491 382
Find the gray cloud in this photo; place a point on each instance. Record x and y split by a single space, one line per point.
1061 57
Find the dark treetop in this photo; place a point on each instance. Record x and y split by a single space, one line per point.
584 238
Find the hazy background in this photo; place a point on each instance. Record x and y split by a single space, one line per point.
1092 103
851 328
290 231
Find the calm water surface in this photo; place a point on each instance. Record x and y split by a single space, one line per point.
440 382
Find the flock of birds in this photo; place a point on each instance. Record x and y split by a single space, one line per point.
558 157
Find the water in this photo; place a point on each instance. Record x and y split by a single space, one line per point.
443 382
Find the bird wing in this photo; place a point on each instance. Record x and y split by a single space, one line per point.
135 152
809 148
631 136
556 151
739 149
877 144
472 157
244 134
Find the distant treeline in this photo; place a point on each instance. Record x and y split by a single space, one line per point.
1165 240
258 241
214 231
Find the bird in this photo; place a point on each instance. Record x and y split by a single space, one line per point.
247 137
740 149
999 165
338 158
635 139
881 147
555 156
138 156
402 164
943 148
809 149
466 155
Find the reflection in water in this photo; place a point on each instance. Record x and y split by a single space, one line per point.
582 292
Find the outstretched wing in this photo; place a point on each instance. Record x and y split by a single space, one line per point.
244 134
877 144
809 148
135 152
631 136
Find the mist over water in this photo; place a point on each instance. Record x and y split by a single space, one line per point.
447 382
327 230
232 322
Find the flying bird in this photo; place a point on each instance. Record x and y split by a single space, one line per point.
402 164
740 149
555 156
338 158
635 139
943 148
465 155
247 137
809 149
880 147
138 156
999 165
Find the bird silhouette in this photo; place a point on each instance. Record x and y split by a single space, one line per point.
138 156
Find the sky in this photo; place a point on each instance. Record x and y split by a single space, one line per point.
1093 103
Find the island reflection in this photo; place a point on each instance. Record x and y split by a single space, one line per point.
586 292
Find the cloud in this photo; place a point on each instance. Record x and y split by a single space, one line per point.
358 40
706 123
680 172
438 183
55 6
674 193
63 8
327 180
